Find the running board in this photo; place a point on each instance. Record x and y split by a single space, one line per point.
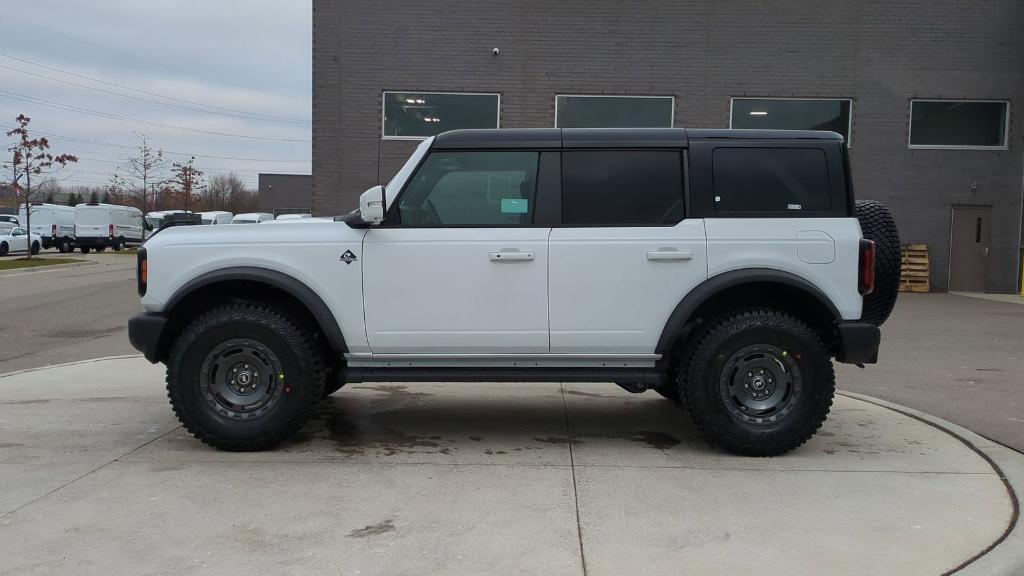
648 376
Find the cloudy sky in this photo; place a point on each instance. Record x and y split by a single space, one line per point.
228 81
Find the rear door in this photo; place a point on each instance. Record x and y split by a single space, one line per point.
92 222
624 255
460 266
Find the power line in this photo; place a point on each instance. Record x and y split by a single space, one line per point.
67 107
205 169
230 113
143 59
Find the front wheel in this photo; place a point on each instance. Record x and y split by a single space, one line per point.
119 245
65 246
759 383
35 248
244 377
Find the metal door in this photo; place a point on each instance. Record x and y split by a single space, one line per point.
969 248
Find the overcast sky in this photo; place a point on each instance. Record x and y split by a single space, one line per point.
240 68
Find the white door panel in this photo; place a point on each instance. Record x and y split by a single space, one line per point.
613 289
823 251
456 290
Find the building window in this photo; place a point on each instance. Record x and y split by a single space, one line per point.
622 187
832 115
958 124
582 111
416 115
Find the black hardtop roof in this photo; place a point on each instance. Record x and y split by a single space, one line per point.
605 137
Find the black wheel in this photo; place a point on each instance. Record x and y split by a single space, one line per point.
65 246
119 245
759 383
244 377
3 248
877 224
85 249
35 248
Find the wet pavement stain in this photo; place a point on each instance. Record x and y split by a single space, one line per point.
659 440
9 444
475 438
374 529
552 440
398 392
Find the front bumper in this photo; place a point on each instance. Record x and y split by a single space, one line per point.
144 332
857 342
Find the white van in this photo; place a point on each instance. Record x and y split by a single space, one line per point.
294 216
252 218
216 217
101 225
54 223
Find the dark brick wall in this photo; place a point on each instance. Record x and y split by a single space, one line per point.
879 53
284 191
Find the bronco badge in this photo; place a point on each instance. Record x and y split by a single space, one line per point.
348 257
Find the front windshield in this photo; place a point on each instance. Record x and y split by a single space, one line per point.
154 221
207 221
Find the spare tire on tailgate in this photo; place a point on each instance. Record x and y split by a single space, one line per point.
877 224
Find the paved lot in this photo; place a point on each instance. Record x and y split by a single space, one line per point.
97 478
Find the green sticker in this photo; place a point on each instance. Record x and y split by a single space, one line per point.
515 205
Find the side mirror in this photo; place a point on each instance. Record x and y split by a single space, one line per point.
371 205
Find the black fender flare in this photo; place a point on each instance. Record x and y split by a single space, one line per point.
288 284
715 284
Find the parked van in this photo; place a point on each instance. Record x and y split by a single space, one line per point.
216 217
293 216
54 223
154 220
101 225
252 218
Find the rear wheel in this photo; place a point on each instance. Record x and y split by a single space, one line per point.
65 246
35 248
119 245
244 377
876 224
85 249
759 383
3 248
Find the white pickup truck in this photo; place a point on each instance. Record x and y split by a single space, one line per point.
725 268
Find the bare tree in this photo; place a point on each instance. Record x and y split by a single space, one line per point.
222 190
30 157
142 169
187 181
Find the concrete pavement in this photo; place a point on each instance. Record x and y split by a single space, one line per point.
96 477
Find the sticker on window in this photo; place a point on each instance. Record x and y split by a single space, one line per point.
515 205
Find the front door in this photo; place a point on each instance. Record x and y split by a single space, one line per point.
458 266
969 248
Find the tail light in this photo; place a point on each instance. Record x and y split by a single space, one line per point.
142 271
110 228
866 267
53 230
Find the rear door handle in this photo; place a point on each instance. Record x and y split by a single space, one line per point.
512 256
669 254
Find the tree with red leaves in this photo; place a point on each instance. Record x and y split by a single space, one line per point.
188 180
31 157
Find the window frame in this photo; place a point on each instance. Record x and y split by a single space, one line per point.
910 125
672 98
548 185
849 119
684 171
383 105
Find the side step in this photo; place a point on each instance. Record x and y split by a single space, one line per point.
644 376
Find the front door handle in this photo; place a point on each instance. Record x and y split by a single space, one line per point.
512 256
669 254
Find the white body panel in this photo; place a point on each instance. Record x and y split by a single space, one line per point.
252 218
45 216
800 246
456 290
613 289
309 251
216 217
93 221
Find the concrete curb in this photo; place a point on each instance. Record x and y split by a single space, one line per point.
72 363
48 268
1005 556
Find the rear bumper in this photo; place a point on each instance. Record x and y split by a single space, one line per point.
144 333
94 242
858 342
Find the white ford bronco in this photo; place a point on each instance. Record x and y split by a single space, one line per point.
724 269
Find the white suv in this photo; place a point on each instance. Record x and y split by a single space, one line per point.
725 268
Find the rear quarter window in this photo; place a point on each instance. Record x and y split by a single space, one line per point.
748 179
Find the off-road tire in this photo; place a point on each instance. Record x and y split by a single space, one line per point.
877 224
711 409
301 377
3 248
35 248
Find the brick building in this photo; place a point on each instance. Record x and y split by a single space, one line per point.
927 93
284 193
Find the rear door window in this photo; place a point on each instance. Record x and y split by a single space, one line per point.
622 187
770 179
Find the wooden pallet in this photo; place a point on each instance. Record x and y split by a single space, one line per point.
914 268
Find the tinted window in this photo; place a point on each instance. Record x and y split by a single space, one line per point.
770 179
422 114
622 188
952 123
471 189
770 114
613 112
